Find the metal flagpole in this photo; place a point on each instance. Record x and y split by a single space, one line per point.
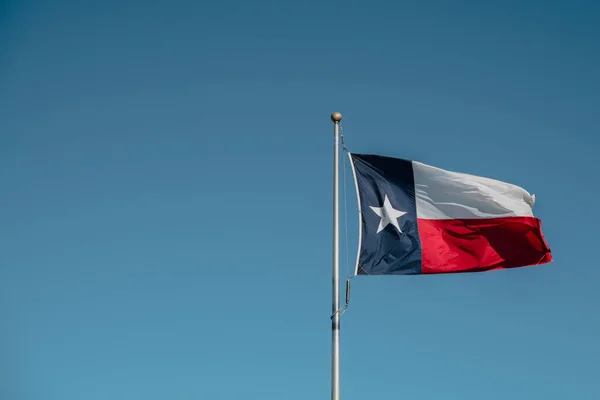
336 117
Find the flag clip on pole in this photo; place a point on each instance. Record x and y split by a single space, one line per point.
336 117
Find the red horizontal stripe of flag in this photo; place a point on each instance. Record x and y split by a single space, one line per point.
470 245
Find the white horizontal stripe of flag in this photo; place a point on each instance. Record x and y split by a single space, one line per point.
442 194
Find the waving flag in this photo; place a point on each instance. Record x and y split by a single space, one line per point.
419 219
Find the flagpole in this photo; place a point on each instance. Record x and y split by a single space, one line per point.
336 117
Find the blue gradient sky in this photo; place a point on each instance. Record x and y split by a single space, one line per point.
165 208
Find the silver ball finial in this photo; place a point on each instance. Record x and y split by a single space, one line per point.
336 117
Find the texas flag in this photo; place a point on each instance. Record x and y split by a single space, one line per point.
419 219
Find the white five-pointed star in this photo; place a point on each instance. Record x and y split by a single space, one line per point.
388 215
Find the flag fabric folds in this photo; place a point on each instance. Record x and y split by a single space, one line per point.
419 219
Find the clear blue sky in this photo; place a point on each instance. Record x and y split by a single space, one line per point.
165 205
